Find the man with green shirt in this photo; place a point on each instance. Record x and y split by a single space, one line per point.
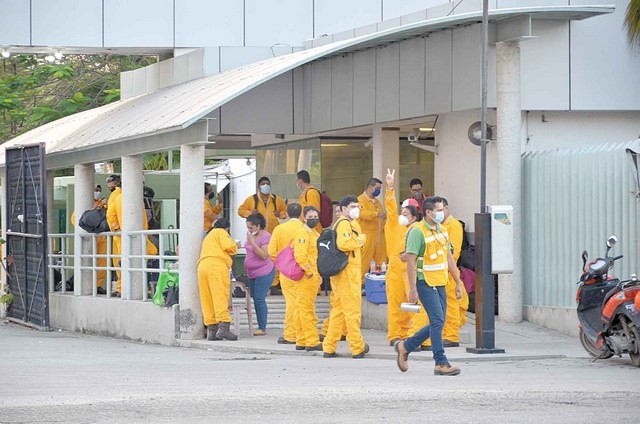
429 263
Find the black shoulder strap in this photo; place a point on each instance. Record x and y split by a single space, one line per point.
273 197
255 200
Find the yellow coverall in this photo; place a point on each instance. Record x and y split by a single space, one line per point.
397 320
280 238
101 249
208 210
271 211
373 229
114 218
456 315
347 287
306 255
311 197
214 276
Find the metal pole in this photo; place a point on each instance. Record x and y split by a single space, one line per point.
485 289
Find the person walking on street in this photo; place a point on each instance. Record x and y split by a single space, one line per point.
306 255
310 196
429 263
214 280
456 315
271 206
347 285
281 238
372 219
259 267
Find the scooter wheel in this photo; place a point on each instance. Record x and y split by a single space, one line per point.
591 348
635 356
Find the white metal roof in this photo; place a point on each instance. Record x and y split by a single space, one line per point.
176 107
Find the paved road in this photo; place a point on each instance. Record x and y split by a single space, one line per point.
66 377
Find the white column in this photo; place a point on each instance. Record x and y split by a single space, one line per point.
509 121
386 153
83 200
191 216
51 220
132 220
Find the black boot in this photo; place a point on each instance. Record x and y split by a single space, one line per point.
224 332
211 332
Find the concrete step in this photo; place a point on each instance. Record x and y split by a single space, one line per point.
276 307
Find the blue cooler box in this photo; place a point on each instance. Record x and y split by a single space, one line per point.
375 288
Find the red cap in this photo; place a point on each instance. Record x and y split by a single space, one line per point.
410 202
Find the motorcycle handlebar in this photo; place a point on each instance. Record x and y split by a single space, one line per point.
616 258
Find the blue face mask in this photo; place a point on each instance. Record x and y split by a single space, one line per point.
265 189
439 217
376 192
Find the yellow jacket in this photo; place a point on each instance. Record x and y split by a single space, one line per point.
348 241
311 197
271 211
369 210
114 210
282 236
305 249
455 231
208 210
218 245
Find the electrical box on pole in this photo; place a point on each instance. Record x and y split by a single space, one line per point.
501 239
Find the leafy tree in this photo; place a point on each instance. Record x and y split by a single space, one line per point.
632 22
34 92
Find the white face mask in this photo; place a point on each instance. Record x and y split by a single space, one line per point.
403 220
96 194
354 213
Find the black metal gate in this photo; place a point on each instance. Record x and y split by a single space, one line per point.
26 223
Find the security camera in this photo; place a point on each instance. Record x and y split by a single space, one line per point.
413 135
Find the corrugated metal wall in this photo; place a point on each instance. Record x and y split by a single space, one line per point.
573 199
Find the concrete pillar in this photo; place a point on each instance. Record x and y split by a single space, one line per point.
83 200
191 215
132 220
509 122
386 153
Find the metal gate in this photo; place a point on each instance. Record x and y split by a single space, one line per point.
26 224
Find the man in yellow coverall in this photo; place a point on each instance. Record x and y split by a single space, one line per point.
214 280
265 202
346 285
371 220
281 237
399 323
456 315
306 254
310 196
211 213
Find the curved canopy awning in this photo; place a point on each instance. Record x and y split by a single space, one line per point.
177 107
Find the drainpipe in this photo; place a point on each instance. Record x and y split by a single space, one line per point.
509 121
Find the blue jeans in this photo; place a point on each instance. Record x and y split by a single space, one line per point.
434 300
259 287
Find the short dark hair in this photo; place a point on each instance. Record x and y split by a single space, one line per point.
415 181
308 209
99 186
113 178
347 200
304 176
444 201
294 210
222 223
264 179
413 210
207 186
257 219
373 181
429 203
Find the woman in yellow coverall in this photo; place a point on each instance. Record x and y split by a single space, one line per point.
214 280
371 220
306 255
346 285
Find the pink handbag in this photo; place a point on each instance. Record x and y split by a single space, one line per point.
286 263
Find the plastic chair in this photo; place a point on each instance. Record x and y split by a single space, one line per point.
236 308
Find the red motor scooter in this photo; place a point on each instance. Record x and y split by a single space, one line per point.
609 318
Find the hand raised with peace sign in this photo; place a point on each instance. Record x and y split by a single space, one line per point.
390 177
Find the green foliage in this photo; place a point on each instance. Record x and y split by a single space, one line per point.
632 22
34 92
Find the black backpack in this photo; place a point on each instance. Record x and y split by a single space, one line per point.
147 199
331 260
273 198
94 221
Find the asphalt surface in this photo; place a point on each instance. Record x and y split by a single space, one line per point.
65 377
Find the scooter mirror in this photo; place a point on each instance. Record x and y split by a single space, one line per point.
611 241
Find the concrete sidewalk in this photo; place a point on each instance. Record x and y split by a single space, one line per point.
523 341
